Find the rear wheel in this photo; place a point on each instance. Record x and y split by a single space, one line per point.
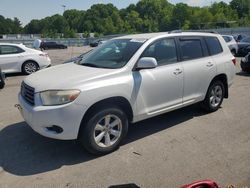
30 67
214 96
104 130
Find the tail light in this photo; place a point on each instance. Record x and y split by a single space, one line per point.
234 60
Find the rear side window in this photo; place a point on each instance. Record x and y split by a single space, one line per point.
213 45
191 49
227 39
9 50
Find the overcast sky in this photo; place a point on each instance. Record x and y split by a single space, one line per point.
27 10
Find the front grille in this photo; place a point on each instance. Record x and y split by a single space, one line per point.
28 93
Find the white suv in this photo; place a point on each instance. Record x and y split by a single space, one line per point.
126 80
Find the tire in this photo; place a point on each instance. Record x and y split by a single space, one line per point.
214 96
30 67
97 135
2 78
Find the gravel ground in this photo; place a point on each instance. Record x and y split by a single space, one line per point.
166 151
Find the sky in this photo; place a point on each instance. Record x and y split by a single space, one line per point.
26 10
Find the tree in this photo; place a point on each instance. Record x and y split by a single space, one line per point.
241 6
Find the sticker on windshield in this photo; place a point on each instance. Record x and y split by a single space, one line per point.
138 40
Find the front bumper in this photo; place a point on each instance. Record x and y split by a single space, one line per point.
39 118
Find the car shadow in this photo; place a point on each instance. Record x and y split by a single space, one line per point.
14 74
24 152
246 74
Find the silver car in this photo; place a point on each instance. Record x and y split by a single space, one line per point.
126 80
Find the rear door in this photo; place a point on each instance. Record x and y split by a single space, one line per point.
199 68
10 58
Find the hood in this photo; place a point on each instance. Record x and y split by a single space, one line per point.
66 76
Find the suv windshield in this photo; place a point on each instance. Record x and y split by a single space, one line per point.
112 54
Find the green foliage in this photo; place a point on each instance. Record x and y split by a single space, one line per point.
9 26
145 16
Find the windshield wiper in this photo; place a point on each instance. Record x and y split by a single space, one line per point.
90 65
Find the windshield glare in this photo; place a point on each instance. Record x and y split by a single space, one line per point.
112 54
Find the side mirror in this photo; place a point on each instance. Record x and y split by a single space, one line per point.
146 63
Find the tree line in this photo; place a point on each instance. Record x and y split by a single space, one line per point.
145 16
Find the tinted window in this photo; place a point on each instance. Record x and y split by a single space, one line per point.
191 49
227 38
9 50
213 45
164 51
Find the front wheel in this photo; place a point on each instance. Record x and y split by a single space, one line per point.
214 97
104 130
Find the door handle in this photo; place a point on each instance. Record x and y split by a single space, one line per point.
209 64
177 71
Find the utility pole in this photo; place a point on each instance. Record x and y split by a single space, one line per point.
64 7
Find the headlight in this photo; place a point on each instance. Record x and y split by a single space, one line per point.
58 97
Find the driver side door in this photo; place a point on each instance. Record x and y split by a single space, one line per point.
161 88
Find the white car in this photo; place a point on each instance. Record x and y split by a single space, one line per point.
232 44
126 80
18 58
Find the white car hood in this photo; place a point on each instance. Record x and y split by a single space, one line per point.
66 76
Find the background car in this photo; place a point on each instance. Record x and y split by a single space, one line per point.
2 78
244 46
239 37
97 43
232 44
52 45
245 63
18 58
78 58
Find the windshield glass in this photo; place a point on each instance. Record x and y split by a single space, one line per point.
113 54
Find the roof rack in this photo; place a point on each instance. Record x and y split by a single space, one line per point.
200 31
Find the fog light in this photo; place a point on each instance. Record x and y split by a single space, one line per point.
55 129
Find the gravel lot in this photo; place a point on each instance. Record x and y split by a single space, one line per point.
166 151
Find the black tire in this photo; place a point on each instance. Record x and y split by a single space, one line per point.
214 105
2 78
29 67
87 130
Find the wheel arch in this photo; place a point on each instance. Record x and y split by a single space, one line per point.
224 80
30 60
119 101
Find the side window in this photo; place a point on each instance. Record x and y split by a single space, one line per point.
164 51
4 50
227 39
213 45
191 49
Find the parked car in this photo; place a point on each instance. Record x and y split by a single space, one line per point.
245 63
52 45
78 58
97 43
244 46
126 80
239 37
232 44
2 79
18 58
